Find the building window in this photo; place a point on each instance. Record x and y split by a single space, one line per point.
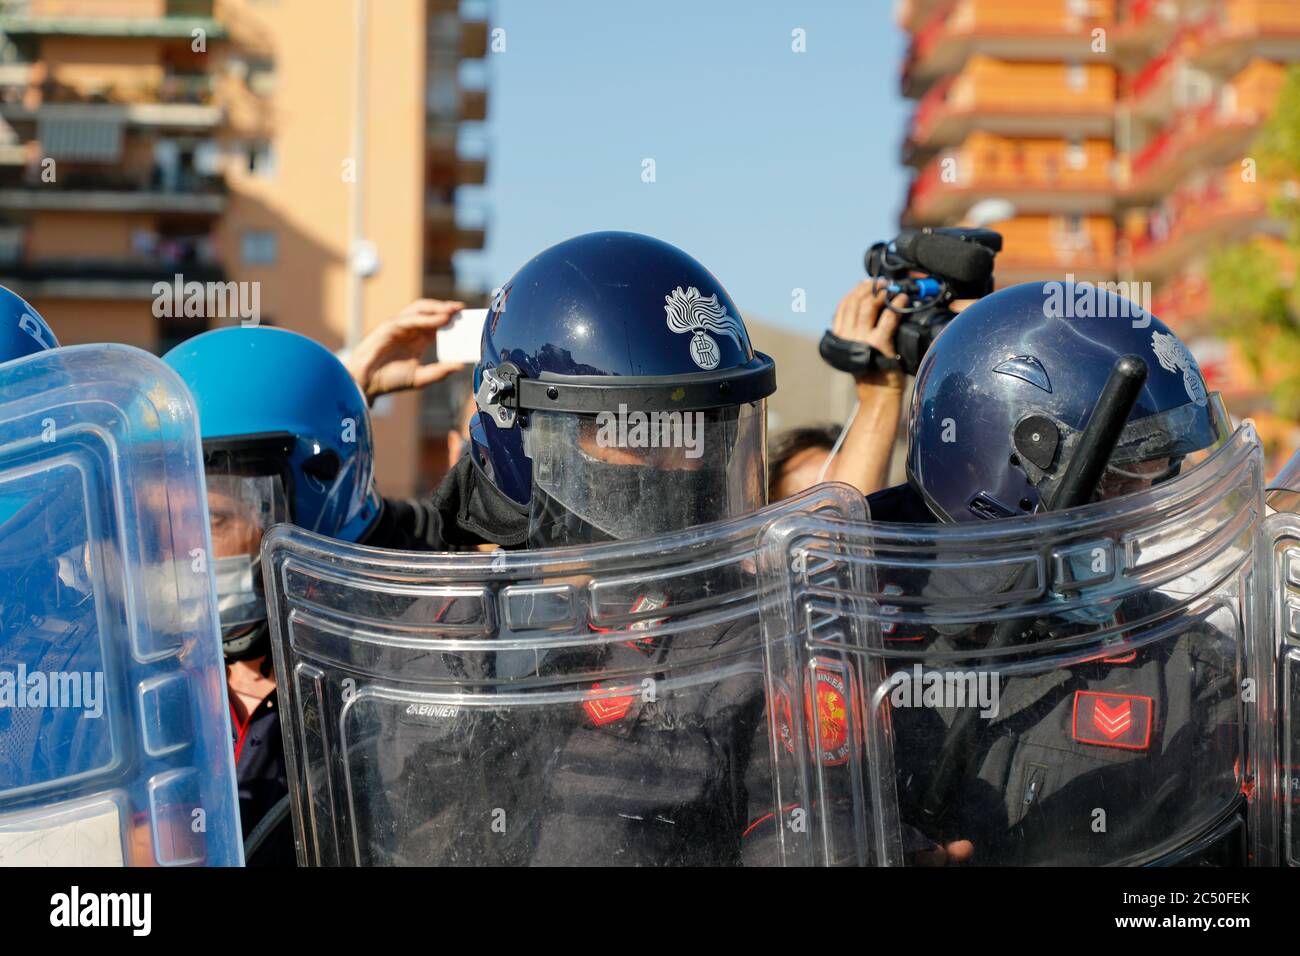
261 159
1076 157
257 75
261 77
259 248
253 157
1076 76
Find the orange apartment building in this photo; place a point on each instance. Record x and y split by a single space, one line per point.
1115 129
246 141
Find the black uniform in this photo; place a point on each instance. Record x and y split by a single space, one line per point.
262 779
632 778
1141 737
1111 759
616 774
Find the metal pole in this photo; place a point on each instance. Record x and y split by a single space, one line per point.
356 318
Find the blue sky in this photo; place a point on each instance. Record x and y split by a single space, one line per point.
775 169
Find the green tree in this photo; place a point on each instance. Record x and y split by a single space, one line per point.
1253 292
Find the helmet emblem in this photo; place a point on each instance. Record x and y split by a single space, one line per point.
1027 368
32 326
691 312
1174 357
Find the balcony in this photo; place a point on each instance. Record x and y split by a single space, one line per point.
439 282
911 15
1145 25
99 278
453 148
452 38
1013 99
153 19
1036 248
473 39
473 105
439 211
1002 29
441 135
178 103
447 173
471 172
1208 135
1038 176
148 19
118 192
1183 302
1239 30
1200 217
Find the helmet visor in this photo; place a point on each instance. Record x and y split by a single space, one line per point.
1162 446
242 508
633 474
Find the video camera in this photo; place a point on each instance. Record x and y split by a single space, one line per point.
953 263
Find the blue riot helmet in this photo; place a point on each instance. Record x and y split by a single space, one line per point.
22 330
1003 394
286 437
618 395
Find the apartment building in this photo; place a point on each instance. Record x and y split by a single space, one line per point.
1112 135
313 152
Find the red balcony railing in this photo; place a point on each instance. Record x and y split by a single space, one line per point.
1191 210
1146 79
930 108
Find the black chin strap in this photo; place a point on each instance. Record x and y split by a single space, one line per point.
247 642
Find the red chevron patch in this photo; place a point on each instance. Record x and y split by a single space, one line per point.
1112 720
603 708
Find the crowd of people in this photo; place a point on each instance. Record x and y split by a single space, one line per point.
610 321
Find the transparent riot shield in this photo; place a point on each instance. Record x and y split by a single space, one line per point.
600 705
114 726
1282 535
1076 688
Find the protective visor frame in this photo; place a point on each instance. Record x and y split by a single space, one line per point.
505 391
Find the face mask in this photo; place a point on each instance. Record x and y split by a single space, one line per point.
239 600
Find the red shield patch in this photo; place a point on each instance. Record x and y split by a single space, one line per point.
647 602
827 710
830 723
1112 720
606 709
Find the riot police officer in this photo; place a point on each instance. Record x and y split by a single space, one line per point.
618 396
286 438
1000 402
24 332
107 609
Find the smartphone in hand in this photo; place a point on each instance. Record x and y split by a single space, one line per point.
461 339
